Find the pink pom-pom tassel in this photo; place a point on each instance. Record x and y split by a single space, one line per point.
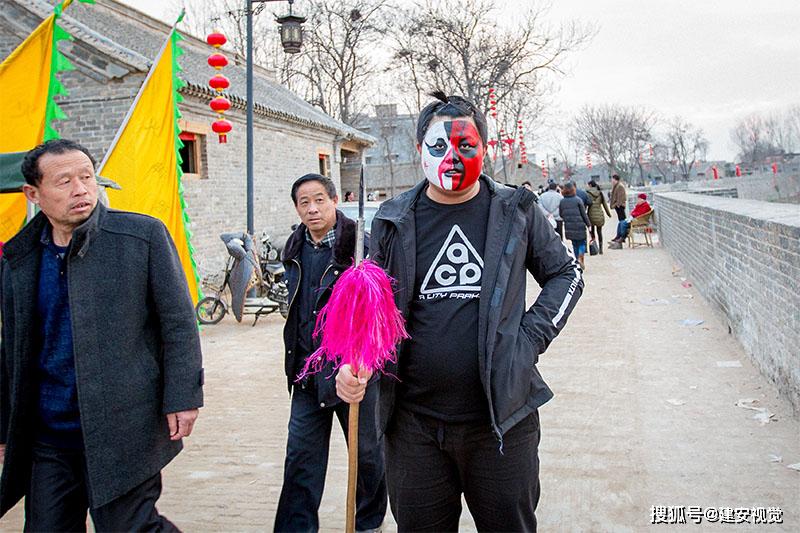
360 325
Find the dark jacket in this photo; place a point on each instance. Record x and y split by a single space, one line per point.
341 259
136 349
585 197
510 339
573 213
595 211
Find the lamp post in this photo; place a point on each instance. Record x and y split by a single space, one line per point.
292 39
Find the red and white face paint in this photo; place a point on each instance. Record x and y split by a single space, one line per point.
452 154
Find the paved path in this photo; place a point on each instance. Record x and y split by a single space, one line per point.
645 414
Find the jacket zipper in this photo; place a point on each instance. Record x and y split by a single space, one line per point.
297 288
495 427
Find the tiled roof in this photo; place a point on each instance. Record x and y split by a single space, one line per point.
134 38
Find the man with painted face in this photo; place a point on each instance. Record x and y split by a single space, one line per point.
459 409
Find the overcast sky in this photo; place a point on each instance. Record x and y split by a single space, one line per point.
711 61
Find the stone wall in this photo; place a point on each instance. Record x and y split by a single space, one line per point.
744 257
782 187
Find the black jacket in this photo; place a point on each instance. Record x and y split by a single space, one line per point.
510 339
573 213
342 258
136 349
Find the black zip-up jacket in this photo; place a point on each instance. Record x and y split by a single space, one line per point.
519 239
341 259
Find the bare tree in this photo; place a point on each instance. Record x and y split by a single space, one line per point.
334 65
687 145
566 154
470 53
792 126
616 134
229 17
758 137
339 35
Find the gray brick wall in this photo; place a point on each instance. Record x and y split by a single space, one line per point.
744 258
282 153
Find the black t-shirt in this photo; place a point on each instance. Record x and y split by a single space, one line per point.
439 369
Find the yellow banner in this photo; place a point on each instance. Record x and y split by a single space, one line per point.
24 82
144 160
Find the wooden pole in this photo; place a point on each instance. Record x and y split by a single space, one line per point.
352 468
352 419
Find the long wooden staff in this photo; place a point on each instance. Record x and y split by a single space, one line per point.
352 422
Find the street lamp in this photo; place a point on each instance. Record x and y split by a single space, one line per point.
291 31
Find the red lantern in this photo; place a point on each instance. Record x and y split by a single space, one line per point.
774 168
216 39
217 61
715 172
220 104
221 128
219 83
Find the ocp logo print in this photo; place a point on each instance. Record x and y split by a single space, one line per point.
456 268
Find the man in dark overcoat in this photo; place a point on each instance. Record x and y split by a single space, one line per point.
100 364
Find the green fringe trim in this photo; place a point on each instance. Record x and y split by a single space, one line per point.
58 63
177 85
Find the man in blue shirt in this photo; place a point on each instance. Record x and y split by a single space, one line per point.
100 365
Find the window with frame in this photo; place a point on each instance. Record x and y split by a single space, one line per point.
192 154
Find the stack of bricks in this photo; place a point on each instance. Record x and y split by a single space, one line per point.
744 258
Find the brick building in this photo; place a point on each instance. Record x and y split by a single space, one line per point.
112 50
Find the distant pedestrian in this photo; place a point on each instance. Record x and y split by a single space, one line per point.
618 197
527 185
549 203
349 196
587 201
596 215
641 208
573 213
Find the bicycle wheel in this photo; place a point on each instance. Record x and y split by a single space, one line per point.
210 310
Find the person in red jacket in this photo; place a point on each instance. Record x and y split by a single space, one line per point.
642 207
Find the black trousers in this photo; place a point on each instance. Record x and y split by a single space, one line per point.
620 212
307 461
58 498
599 237
560 228
430 463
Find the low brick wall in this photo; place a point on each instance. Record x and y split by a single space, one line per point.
744 258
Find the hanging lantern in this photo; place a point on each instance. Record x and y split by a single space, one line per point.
220 104
291 29
218 61
219 83
222 127
216 39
